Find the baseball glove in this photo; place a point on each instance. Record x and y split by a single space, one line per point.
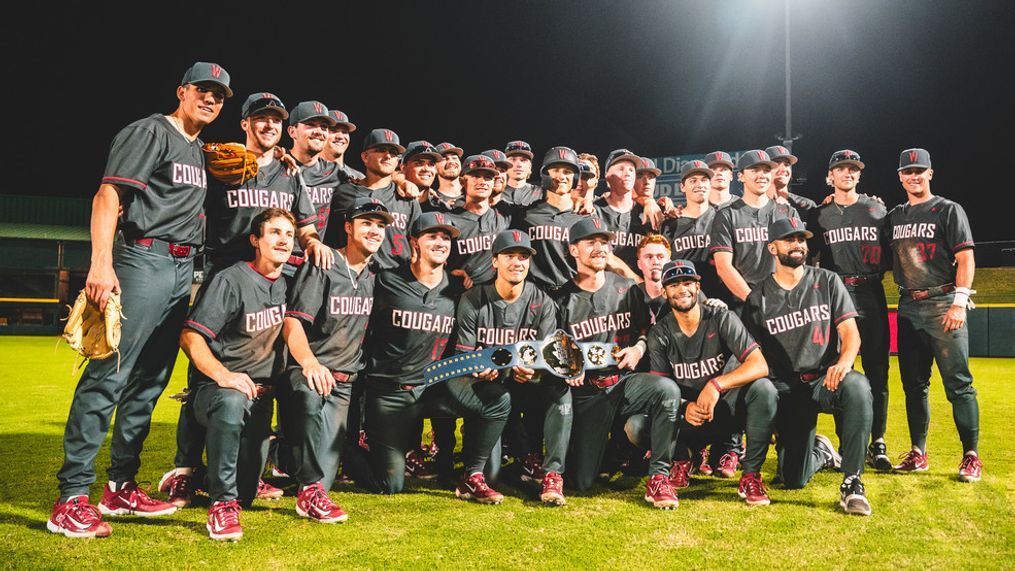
92 333
230 163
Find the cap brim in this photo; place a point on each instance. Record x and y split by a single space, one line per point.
455 232
652 170
531 251
327 118
791 158
433 156
858 164
527 154
229 92
707 172
494 171
609 236
726 163
634 159
386 216
348 126
268 109
400 148
914 166
694 277
771 164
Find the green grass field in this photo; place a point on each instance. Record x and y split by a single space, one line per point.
927 521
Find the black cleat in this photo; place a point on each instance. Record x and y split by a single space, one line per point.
824 447
877 457
852 497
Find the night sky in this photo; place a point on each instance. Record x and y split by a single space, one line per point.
659 77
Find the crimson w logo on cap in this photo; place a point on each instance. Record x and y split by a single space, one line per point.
215 70
562 152
516 235
912 156
440 218
389 136
318 106
762 156
267 95
597 223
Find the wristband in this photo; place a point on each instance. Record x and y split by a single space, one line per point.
715 384
961 297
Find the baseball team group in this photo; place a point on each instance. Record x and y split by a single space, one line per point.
730 322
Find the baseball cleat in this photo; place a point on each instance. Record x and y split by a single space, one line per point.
852 497
727 467
266 491
913 461
178 488
132 500
532 468
77 518
659 492
680 474
752 489
877 456
971 468
553 490
224 521
700 465
418 465
829 455
475 488
314 503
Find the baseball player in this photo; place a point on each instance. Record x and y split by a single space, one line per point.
689 234
782 175
604 307
411 323
932 250
721 165
519 191
381 151
507 311
847 241
324 328
338 143
448 194
645 180
618 209
230 338
584 193
419 166
719 369
653 253
478 223
549 222
155 172
310 126
806 324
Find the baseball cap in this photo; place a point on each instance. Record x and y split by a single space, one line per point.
430 221
499 158
753 158
719 158
622 155
586 228
341 119
512 240
379 137
844 157
648 165
914 159
695 167
518 148
781 152
786 227
420 148
560 156
476 163
263 101
365 206
445 148
677 270
307 110
586 169
206 72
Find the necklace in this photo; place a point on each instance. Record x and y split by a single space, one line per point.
355 284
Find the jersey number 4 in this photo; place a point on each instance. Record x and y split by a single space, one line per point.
820 335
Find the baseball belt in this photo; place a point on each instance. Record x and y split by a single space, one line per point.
558 353
921 294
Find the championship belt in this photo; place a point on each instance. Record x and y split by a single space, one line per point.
559 353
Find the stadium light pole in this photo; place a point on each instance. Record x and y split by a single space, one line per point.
788 137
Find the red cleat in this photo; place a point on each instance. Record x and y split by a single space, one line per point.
77 518
475 488
419 465
553 490
314 503
179 488
680 474
659 492
266 491
132 500
532 468
913 461
753 489
971 468
728 464
224 521
700 463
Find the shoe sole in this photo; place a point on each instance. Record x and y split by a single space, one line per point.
861 511
126 511
272 496
53 528
880 463
753 503
662 505
552 499
970 479
724 475
180 504
485 501
339 519
223 536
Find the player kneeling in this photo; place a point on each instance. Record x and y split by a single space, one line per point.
720 370
230 338
806 324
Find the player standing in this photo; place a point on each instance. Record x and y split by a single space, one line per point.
310 126
806 324
689 234
721 165
519 192
338 143
155 172
478 223
847 241
448 193
932 249
623 216
782 176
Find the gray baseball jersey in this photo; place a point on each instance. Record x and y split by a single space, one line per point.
409 327
437 202
470 251
524 195
396 250
231 208
549 230
924 239
322 178
797 328
334 306
627 227
693 360
741 229
240 314
163 181
848 238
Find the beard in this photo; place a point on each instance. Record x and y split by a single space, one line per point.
791 261
683 305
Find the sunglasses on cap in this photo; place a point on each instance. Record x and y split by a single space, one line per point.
518 146
676 273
